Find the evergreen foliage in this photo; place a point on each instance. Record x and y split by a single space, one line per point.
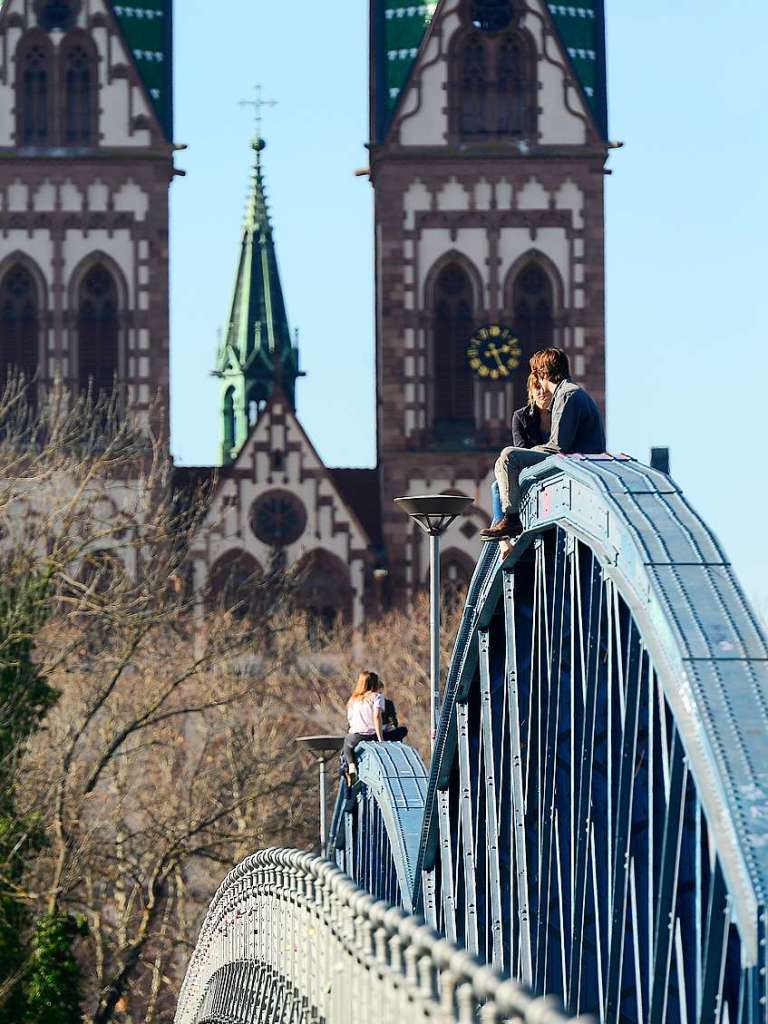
53 982
41 982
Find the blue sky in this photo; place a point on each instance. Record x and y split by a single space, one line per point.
687 212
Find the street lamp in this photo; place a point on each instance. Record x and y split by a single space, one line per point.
325 747
434 513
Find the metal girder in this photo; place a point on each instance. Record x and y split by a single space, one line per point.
596 815
614 753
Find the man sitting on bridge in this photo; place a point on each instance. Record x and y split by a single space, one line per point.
576 427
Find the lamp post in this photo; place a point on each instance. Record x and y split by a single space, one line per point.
324 747
434 513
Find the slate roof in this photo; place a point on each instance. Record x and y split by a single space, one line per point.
148 30
400 26
360 490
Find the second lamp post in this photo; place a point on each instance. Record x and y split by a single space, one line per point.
434 513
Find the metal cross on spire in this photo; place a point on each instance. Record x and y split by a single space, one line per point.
258 105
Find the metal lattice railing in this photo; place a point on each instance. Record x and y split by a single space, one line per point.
290 938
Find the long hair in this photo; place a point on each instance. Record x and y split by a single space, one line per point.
552 363
367 682
533 387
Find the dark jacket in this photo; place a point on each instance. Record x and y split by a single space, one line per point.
526 428
577 425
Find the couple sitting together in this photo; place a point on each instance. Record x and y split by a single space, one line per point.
560 418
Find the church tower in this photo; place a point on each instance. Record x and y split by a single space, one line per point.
489 142
257 354
87 158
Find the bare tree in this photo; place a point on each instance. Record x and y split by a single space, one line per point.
164 760
169 754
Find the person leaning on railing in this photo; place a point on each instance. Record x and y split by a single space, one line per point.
577 426
369 718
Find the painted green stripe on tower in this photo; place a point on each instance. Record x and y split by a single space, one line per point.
400 27
148 30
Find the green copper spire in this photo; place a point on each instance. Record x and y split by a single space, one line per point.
257 354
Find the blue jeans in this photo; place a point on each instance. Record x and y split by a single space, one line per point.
495 502
508 467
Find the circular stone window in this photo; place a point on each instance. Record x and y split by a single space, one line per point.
278 518
57 14
492 15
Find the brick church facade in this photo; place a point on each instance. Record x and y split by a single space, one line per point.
487 164
87 159
487 153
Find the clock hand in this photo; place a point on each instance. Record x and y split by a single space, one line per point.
493 351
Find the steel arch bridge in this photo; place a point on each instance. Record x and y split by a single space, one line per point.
595 820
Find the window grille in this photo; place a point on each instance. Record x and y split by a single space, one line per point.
34 96
98 331
19 323
79 81
533 304
452 328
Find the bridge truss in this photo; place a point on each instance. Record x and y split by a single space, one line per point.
595 821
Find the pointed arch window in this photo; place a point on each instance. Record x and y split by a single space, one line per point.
494 86
19 323
79 87
236 585
474 87
33 91
98 331
533 305
453 323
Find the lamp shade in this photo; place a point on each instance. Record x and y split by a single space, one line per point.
434 512
322 744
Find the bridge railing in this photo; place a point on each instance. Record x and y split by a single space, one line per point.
288 937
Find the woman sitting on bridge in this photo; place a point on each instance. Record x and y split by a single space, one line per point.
369 719
532 423
530 426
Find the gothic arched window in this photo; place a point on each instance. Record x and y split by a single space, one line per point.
512 87
322 593
19 323
33 91
533 307
494 86
474 87
79 87
453 323
98 331
236 585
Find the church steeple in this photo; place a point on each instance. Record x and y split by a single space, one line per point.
257 354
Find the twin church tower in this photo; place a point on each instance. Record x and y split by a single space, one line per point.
488 144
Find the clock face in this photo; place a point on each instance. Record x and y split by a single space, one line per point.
494 352
278 518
